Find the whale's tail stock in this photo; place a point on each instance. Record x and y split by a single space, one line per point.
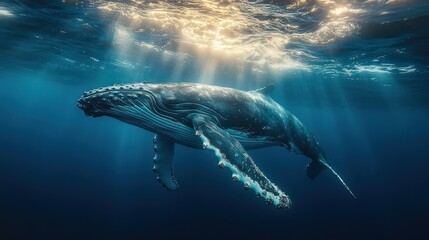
317 166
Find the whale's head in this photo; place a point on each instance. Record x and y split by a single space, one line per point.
140 104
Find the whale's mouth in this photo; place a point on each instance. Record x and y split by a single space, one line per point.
95 103
84 104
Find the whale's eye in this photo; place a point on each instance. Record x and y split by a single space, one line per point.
168 97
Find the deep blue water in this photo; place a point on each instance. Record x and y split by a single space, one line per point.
354 72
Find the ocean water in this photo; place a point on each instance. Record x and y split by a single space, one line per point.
354 72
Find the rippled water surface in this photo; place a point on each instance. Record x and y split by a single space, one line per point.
355 72
370 48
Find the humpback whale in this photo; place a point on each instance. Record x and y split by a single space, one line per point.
225 120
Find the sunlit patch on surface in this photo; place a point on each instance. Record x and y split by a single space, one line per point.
246 33
5 12
345 11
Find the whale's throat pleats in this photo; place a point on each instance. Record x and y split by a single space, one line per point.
142 114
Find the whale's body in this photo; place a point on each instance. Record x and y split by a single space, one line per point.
225 120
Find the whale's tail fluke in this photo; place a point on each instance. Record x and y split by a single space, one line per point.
317 166
314 168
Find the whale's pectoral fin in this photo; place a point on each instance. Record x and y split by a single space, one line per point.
164 152
232 155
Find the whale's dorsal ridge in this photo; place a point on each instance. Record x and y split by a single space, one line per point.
267 90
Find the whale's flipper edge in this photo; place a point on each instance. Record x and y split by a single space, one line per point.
163 160
232 155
